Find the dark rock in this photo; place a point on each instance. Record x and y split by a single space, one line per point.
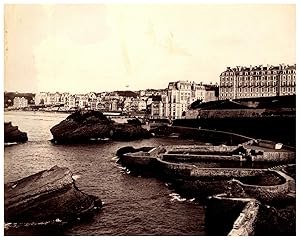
86 126
49 195
277 221
129 132
13 134
130 149
134 121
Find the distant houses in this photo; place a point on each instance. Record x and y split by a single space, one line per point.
169 103
20 102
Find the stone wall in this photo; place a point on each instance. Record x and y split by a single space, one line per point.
278 128
197 158
283 156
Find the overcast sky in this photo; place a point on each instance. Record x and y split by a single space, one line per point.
83 48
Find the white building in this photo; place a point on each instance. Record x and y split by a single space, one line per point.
179 96
20 102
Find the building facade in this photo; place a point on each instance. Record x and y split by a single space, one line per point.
178 97
20 102
257 81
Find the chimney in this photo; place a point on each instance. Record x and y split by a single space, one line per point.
268 66
250 67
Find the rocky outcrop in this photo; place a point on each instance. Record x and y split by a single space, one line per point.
86 126
130 149
49 195
13 134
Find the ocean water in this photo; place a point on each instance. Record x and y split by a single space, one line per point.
132 205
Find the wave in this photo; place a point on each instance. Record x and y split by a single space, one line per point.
177 197
75 177
32 224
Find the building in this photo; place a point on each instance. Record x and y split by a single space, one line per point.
178 97
257 81
20 102
182 93
156 106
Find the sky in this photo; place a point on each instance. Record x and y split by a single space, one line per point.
102 47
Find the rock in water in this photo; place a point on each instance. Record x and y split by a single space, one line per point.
84 126
46 196
13 134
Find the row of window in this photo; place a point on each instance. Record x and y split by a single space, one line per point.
289 77
253 94
240 84
231 73
268 90
259 89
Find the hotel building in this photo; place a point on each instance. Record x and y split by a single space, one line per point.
257 81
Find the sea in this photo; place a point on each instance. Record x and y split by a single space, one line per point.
133 205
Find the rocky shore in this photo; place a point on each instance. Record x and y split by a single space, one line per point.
13 134
47 197
89 126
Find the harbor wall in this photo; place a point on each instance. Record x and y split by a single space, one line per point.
276 128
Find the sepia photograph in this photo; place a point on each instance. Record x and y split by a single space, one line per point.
149 119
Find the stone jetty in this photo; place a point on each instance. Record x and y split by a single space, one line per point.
248 188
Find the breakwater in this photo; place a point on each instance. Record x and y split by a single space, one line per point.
276 128
250 193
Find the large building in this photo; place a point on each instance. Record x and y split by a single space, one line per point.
179 96
257 81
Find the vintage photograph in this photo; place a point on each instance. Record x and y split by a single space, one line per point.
149 119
